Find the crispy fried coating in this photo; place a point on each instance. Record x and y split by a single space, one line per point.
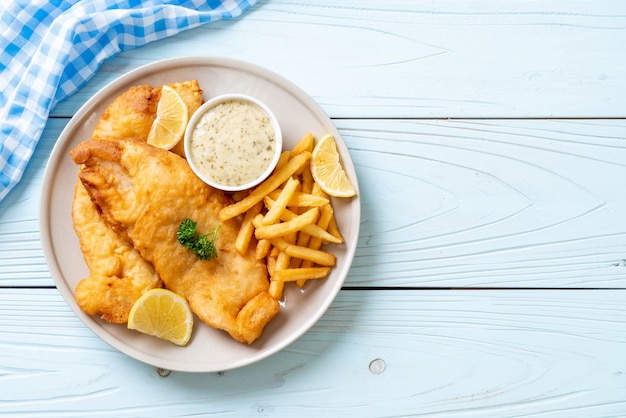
131 114
144 193
118 274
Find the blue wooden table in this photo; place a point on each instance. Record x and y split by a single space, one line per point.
489 140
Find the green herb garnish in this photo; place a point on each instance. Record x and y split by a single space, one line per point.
201 245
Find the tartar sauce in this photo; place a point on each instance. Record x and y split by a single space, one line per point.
233 143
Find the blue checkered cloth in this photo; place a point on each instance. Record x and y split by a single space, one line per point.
50 48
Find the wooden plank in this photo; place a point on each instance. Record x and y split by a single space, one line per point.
375 353
490 203
421 58
445 203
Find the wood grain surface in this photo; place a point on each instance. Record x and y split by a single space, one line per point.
387 353
407 58
445 203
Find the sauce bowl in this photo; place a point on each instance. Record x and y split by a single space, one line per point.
233 142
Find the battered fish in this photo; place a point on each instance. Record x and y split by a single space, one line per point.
131 114
118 274
144 193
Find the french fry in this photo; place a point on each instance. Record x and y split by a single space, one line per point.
284 197
316 256
276 289
237 196
318 232
282 262
282 229
327 215
290 218
282 160
263 248
333 229
257 221
317 190
271 183
247 229
271 264
316 243
297 274
313 230
302 241
300 199
305 144
307 178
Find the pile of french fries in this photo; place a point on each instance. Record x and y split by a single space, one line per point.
290 218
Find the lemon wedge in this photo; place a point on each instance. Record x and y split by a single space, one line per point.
171 120
163 314
327 170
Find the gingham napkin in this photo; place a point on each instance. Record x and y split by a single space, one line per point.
50 48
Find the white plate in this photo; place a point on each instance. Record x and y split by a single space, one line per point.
210 350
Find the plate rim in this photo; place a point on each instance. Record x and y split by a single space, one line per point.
55 161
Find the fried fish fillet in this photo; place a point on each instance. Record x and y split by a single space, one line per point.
131 114
144 193
118 274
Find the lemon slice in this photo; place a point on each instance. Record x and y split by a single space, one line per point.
163 314
327 170
171 120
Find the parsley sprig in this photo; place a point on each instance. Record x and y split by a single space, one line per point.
203 245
